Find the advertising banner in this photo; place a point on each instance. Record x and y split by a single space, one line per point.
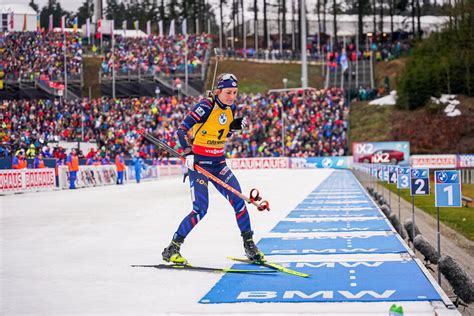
89 176
433 161
146 173
155 172
26 180
171 170
321 162
259 163
395 153
465 161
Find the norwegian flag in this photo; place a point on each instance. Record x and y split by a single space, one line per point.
98 34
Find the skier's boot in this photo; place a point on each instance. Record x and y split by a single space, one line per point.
171 253
251 250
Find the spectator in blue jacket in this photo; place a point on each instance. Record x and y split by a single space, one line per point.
138 164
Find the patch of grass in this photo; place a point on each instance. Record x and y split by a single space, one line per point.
91 77
391 69
369 122
260 77
461 219
468 190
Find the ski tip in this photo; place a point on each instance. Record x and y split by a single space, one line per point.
140 131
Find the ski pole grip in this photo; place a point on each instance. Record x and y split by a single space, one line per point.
254 195
264 206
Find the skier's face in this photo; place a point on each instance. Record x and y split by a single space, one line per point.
227 95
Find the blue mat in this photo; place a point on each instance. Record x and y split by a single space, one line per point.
332 213
330 245
337 202
334 208
333 226
337 195
329 282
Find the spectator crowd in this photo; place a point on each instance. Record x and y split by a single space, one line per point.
31 55
315 124
382 51
155 54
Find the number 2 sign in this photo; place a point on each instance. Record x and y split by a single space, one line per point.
420 182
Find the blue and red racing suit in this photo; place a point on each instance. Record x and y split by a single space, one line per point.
209 121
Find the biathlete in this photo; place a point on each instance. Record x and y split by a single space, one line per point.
211 121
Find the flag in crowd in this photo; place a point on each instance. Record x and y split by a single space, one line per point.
112 26
38 24
98 33
50 26
75 25
136 25
171 33
88 27
343 61
160 27
63 23
12 21
184 27
24 23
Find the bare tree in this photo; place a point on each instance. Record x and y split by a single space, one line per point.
283 4
318 12
413 17
243 20
325 3
233 13
255 21
221 4
265 24
334 14
293 25
162 10
374 12
381 16
361 11
418 16
391 8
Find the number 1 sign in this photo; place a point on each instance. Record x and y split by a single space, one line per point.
447 188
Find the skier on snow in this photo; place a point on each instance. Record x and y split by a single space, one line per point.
211 121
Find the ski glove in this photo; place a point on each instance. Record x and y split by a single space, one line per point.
238 124
189 163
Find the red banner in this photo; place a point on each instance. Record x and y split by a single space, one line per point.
433 161
11 180
259 163
26 180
